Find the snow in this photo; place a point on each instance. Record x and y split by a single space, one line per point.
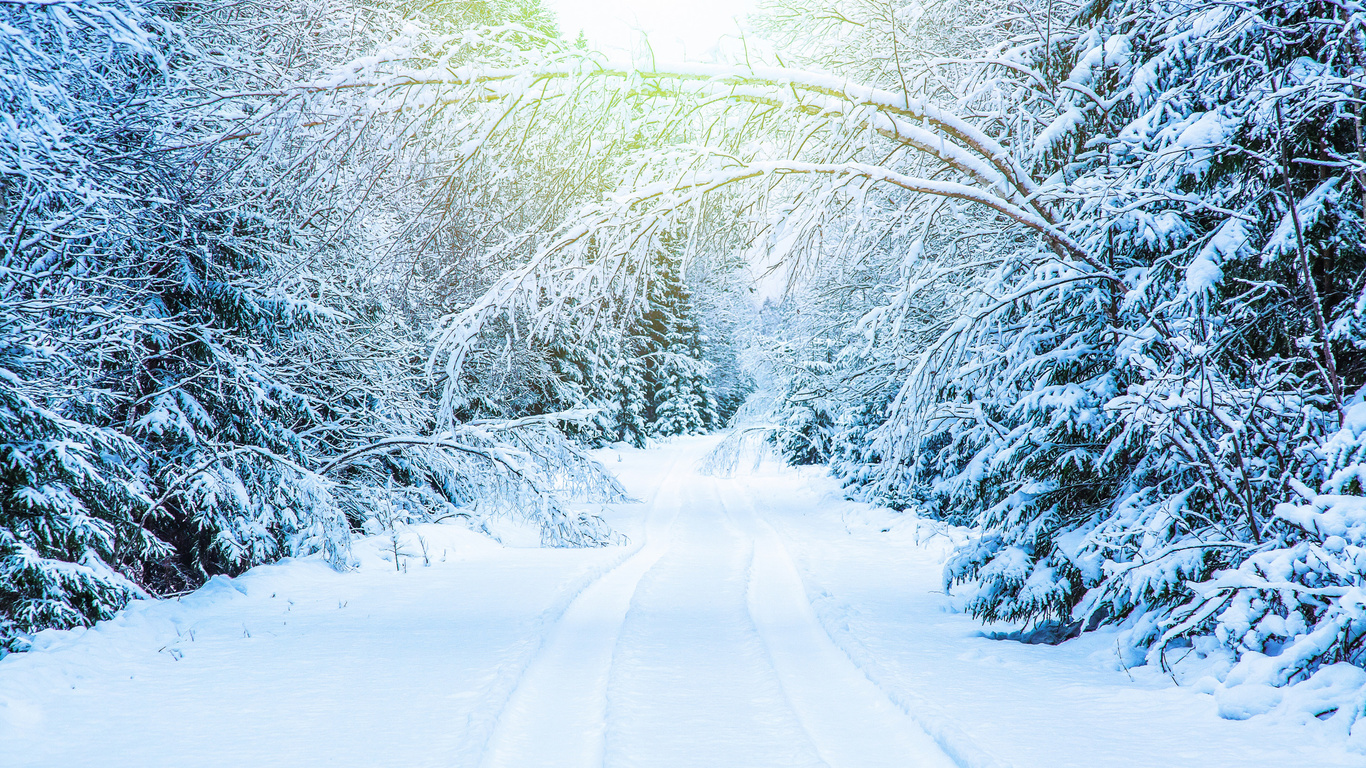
1309 210
1202 275
1065 125
753 620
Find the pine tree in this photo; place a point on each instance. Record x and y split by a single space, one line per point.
681 402
627 396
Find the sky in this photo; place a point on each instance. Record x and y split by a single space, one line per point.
677 29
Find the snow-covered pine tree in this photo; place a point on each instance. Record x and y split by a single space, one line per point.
1145 440
581 376
69 485
627 394
150 338
681 402
68 512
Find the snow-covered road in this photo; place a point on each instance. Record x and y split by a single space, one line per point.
699 649
755 621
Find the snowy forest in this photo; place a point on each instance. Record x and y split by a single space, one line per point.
1085 278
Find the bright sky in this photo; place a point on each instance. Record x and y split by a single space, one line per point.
678 29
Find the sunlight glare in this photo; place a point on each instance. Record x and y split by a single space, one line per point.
677 29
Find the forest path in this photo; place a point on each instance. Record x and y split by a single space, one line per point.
753 621
700 650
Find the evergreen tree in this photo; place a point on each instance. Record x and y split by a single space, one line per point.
681 402
628 396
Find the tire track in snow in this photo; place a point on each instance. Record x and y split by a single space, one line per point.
691 684
849 719
854 658
556 713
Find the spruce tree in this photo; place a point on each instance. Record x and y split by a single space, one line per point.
681 402
628 396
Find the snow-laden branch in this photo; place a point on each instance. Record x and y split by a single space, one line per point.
446 442
779 84
948 138
521 287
